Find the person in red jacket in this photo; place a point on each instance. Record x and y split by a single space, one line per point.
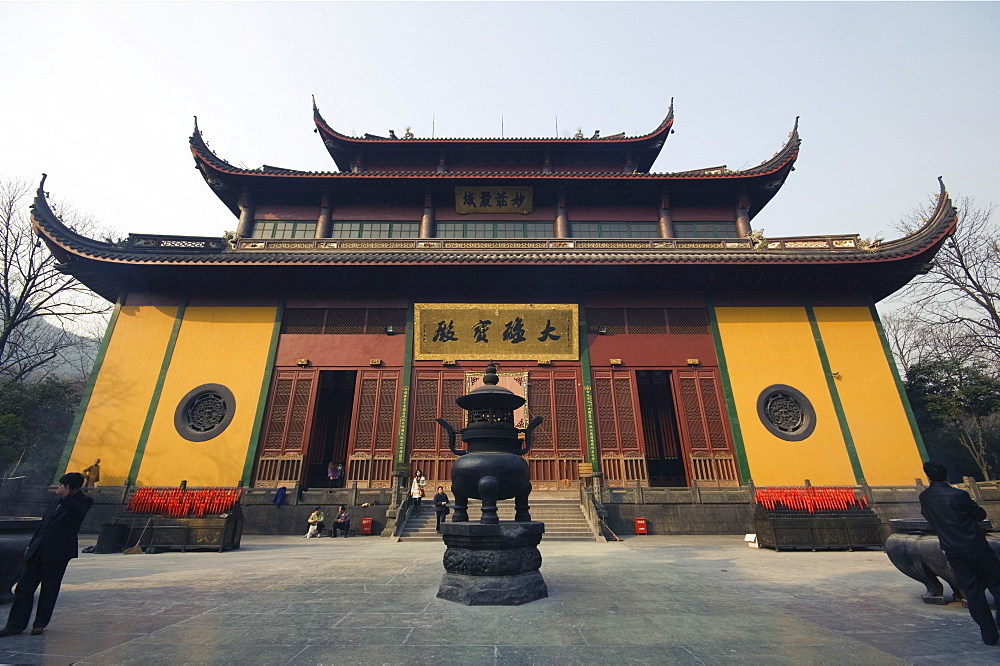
51 548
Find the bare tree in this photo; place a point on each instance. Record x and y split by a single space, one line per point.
959 298
38 301
915 338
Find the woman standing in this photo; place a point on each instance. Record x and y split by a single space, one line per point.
441 506
417 490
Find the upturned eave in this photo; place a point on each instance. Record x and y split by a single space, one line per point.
171 263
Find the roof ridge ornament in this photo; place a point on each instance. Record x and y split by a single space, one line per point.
870 245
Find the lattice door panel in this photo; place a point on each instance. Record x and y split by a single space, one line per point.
434 394
369 461
286 429
703 429
289 411
556 398
375 412
614 402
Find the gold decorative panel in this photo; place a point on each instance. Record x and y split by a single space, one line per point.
491 331
478 200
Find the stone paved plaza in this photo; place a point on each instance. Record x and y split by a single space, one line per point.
364 600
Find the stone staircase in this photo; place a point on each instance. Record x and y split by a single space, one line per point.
563 518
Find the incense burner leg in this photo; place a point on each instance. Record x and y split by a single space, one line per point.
489 490
461 509
521 508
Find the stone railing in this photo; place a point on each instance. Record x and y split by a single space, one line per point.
593 510
639 494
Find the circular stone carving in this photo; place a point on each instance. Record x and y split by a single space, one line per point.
204 412
786 412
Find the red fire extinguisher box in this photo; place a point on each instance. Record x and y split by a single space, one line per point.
640 526
366 526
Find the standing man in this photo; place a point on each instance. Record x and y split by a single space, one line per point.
51 548
955 518
92 474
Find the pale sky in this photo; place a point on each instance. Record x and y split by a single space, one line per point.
890 96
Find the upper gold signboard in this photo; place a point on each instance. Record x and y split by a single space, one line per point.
492 200
490 331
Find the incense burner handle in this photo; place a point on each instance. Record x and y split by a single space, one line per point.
451 437
535 422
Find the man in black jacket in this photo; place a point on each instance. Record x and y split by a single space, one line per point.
955 518
51 548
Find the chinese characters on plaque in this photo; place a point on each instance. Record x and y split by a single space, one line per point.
495 331
493 200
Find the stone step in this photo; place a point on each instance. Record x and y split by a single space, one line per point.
563 518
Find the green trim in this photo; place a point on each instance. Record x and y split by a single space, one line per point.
588 393
890 359
265 386
727 389
404 396
88 392
154 400
831 385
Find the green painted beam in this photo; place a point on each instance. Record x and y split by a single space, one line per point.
404 400
739 448
903 398
265 386
154 400
831 385
589 421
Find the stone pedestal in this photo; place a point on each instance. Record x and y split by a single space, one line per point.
492 565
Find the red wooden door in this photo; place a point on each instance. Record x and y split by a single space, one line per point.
618 438
434 394
286 429
707 444
374 430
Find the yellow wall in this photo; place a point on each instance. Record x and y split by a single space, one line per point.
775 345
215 345
875 414
113 421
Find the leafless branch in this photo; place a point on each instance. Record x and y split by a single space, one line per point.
960 297
37 302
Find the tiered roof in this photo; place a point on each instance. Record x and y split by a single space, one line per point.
493 268
397 164
608 153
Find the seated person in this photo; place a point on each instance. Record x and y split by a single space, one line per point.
315 523
342 522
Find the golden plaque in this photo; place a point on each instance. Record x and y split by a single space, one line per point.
492 331
479 200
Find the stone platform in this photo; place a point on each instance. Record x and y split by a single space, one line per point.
492 565
647 600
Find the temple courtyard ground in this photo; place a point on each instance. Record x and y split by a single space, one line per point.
364 600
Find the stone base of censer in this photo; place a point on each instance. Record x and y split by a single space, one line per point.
492 565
